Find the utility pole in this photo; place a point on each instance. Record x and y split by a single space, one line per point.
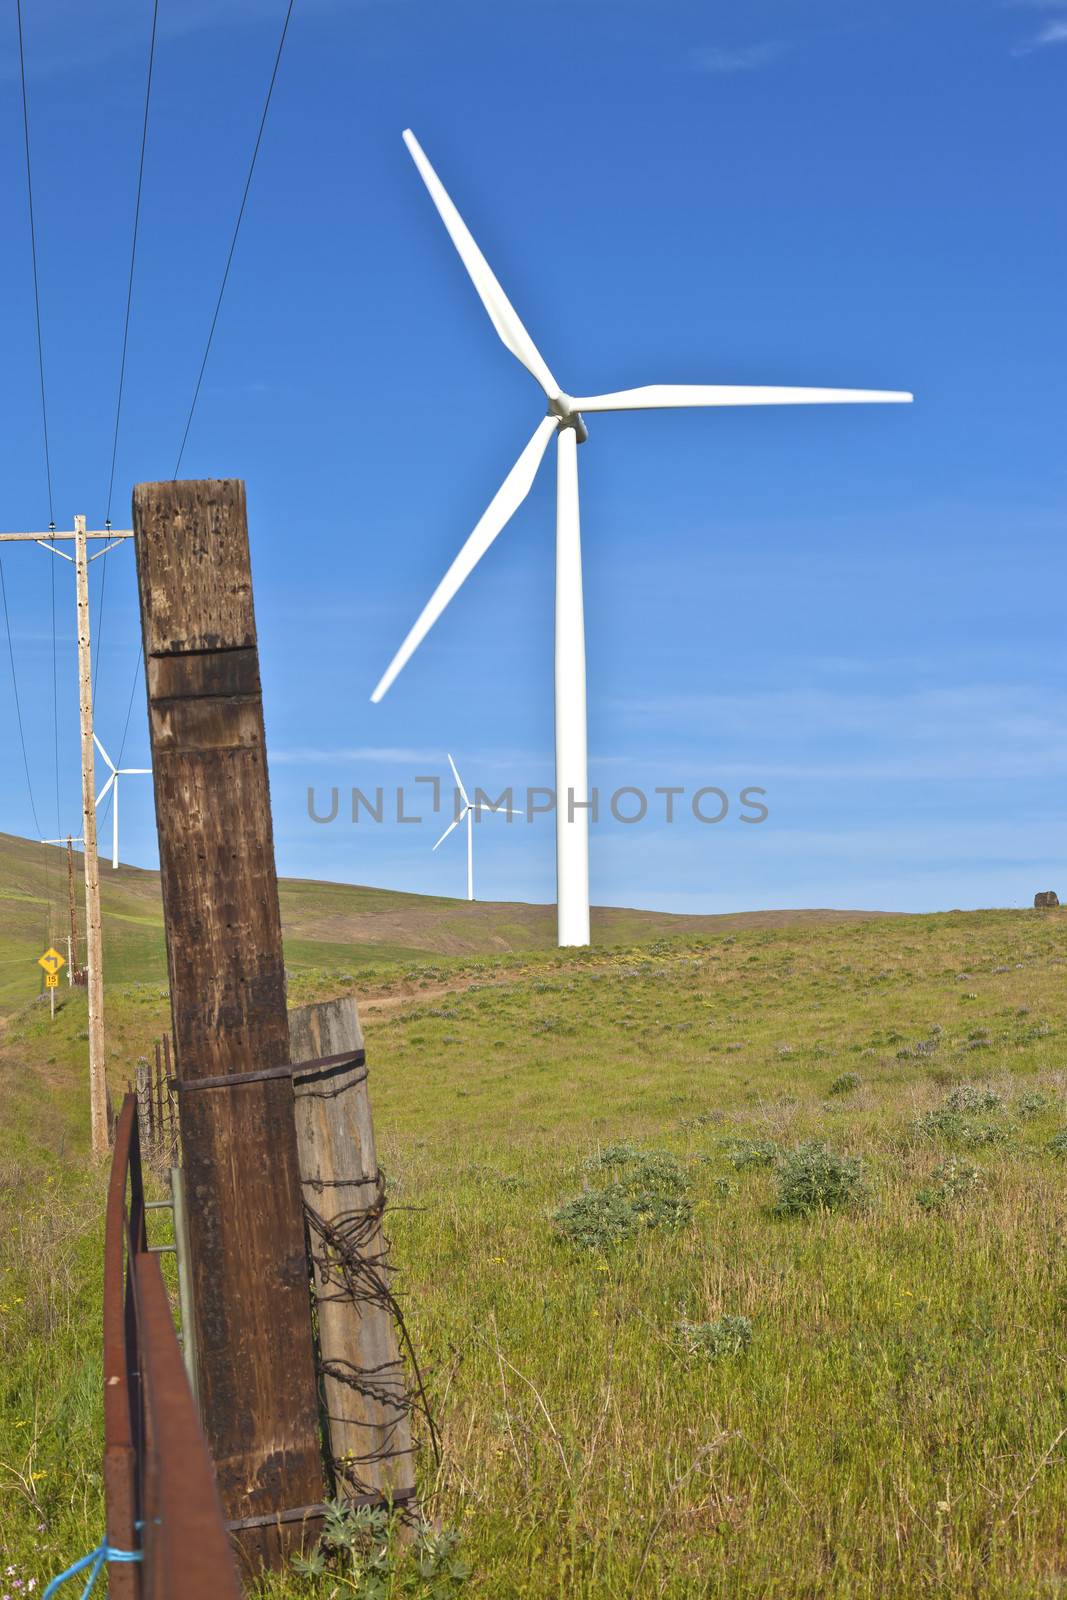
73 975
93 936
252 1312
72 937
94 943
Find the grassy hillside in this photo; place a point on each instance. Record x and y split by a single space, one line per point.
755 1398
326 925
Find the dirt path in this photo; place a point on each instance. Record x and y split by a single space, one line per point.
383 1002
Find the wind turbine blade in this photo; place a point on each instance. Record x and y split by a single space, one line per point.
106 787
453 824
131 772
501 509
459 783
502 313
115 828
103 752
655 395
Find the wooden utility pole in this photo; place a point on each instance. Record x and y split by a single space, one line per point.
255 1355
94 942
98 1101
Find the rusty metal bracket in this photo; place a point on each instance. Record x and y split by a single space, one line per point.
324 1066
310 1513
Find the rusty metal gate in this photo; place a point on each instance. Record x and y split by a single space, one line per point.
159 1482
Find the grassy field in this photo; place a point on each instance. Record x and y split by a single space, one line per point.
325 924
882 1412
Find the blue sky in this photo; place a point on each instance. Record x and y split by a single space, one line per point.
857 610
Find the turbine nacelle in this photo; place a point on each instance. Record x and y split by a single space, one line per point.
563 407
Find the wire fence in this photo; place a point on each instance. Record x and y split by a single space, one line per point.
157 1108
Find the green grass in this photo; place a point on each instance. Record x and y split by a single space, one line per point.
326 925
894 1426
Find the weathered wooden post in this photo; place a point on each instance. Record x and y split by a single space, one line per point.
255 1357
364 1385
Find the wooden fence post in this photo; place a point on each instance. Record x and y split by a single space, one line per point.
363 1380
255 1356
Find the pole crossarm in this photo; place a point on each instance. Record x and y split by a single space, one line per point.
55 537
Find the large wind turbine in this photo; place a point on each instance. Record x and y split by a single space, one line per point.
564 419
113 781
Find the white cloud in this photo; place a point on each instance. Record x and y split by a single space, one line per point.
954 733
744 58
1051 34
388 755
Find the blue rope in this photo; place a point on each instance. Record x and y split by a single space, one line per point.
95 1561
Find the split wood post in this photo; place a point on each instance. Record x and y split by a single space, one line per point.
364 1387
142 1082
256 1368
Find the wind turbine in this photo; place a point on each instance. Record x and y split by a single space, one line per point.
465 813
116 774
565 420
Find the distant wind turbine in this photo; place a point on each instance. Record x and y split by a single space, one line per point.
116 774
469 813
564 419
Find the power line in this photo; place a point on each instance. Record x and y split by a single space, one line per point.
33 251
126 334
125 728
55 693
236 231
211 330
133 262
47 471
18 703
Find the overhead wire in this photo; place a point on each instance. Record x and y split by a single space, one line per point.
33 252
122 377
129 710
47 469
211 335
125 334
18 702
233 241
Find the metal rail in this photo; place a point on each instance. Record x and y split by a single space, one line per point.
158 1476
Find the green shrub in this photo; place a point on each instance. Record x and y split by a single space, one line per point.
968 1098
597 1219
815 1178
645 1189
949 1182
1057 1145
361 1546
845 1083
948 1122
729 1336
745 1153
974 1133
1033 1104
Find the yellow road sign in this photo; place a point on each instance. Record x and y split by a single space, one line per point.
51 980
51 961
